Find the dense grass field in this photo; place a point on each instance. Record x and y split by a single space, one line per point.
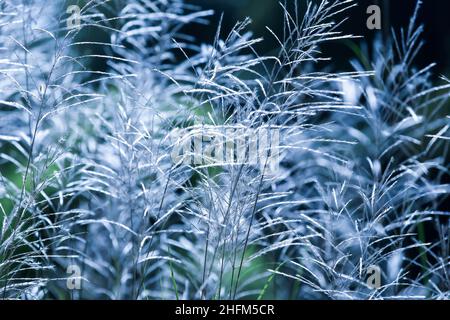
139 161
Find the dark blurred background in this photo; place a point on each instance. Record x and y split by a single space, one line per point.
435 15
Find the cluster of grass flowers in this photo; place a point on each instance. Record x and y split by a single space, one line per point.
129 166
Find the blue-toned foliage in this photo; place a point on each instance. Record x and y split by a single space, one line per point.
88 176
